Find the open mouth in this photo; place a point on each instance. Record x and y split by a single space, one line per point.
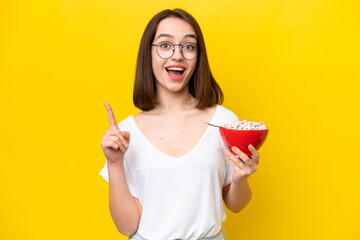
175 71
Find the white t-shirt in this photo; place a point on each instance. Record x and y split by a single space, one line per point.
181 196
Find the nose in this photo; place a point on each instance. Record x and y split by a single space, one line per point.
177 52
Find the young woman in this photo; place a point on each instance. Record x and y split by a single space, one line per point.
171 179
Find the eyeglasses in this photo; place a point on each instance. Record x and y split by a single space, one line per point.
166 50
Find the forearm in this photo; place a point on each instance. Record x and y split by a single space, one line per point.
237 196
123 208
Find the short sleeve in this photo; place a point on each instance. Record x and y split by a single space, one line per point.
228 168
229 172
105 174
226 116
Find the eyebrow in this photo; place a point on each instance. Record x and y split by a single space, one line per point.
171 36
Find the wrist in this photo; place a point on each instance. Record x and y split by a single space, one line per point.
243 181
115 164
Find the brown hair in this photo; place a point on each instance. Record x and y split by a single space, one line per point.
202 84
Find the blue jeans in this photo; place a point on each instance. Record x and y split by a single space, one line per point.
219 236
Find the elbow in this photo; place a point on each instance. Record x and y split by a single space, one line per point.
127 224
128 231
127 228
236 210
237 207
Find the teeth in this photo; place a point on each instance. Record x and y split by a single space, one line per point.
175 69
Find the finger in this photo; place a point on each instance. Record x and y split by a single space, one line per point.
246 169
231 157
112 132
231 163
234 166
126 135
116 140
122 147
245 158
123 140
248 164
237 164
109 144
116 135
111 116
254 153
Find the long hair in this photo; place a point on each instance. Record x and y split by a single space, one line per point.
202 84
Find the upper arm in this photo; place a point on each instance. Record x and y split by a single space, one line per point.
139 207
225 191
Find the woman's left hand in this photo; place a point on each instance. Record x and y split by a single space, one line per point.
242 164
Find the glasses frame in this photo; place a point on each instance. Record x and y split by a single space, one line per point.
173 50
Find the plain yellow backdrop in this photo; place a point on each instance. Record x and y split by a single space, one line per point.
293 64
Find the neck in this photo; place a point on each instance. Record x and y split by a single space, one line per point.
172 102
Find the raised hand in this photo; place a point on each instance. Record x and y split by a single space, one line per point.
115 142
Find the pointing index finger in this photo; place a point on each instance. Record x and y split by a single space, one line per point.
111 116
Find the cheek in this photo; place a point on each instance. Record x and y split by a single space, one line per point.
192 68
154 63
156 67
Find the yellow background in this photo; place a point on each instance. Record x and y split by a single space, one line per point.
293 64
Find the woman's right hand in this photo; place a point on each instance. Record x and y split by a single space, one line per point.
115 142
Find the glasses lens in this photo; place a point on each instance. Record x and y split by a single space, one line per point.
165 49
190 51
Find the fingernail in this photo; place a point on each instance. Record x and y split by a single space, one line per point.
126 145
233 149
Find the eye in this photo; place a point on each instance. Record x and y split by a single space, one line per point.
165 45
189 46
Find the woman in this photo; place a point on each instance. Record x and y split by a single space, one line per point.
171 179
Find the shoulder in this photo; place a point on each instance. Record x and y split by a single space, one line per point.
225 115
126 123
143 117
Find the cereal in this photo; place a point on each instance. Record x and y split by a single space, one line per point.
245 125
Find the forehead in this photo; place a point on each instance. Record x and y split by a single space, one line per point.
175 27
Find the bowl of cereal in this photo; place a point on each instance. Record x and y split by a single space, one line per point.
243 133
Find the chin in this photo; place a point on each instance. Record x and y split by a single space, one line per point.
175 90
177 87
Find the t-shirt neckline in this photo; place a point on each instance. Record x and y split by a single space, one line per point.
164 155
